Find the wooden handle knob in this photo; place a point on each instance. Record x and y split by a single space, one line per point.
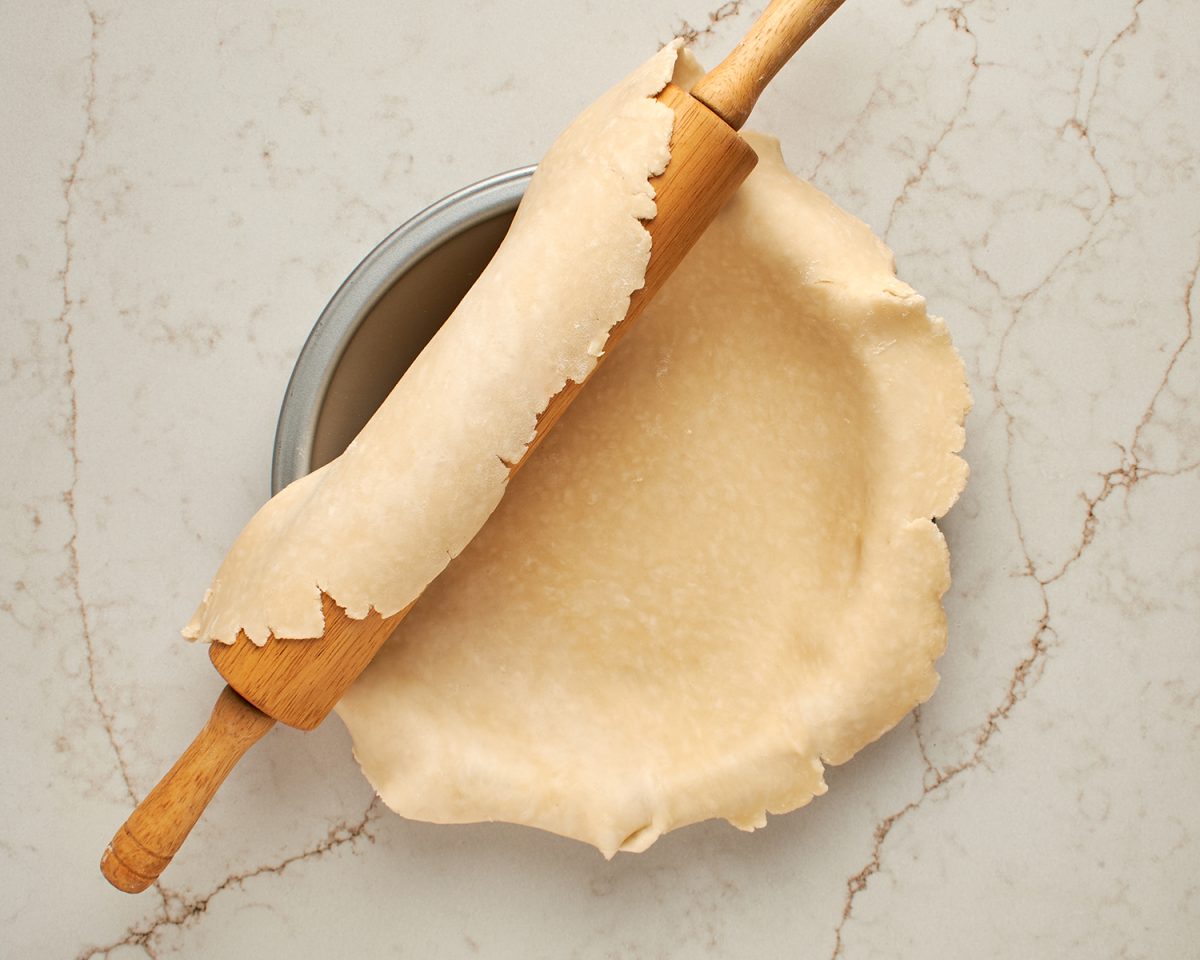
155 831
733 87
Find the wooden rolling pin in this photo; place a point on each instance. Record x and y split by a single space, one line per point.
298 682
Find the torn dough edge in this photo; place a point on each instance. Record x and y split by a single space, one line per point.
323 533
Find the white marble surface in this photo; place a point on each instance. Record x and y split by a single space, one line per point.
186 184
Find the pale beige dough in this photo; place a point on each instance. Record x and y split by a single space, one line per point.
720 568
373 527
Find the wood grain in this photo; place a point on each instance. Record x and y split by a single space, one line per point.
708 163
298 682
733 87
144 846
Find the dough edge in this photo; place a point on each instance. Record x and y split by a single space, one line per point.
777 771
469 404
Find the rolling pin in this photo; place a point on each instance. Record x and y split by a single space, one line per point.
298 682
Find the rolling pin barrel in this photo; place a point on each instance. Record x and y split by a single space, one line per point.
298 682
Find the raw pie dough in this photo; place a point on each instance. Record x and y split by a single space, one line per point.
719 570
374 526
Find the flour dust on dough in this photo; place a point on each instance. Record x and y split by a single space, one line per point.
374 526
717 573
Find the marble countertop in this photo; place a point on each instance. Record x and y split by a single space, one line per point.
188 184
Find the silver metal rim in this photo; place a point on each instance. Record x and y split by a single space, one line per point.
355 298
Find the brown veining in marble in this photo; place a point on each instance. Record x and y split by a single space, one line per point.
907 138
958 17
691 35
66 321
178 910
1130 471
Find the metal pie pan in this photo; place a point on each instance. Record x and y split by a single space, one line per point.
381 318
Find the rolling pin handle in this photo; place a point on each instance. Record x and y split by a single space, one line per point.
731 89
155 831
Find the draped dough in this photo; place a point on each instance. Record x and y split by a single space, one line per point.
718 571
374 526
